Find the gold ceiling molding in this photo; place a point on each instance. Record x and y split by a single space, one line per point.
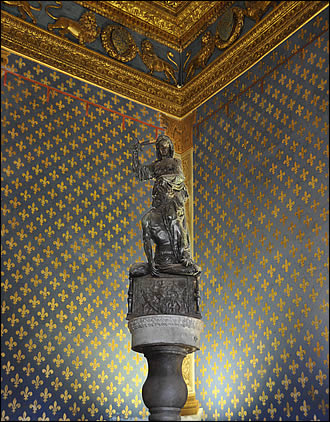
45 47
174 7
155 19
75 60
279 24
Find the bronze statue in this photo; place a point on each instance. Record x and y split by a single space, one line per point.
165 222
163 298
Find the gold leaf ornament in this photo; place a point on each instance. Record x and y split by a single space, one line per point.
85 29
233 20
118 43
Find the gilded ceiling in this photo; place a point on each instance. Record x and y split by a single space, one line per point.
173 23
171 56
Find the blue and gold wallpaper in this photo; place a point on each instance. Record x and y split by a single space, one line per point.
70 227
261 207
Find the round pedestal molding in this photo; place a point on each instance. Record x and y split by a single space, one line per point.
165 329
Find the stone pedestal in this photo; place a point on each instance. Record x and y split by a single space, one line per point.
165 391
165 325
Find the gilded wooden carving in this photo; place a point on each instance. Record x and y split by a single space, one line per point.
85 30
24 8
173 4
176 30
238 17
118 43
154 63
26 39
233 19
262 38
225 25
201 58
255 9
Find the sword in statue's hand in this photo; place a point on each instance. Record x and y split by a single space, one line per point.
137 145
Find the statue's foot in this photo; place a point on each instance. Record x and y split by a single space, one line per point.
139 269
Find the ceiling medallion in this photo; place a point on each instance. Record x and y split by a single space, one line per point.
118 43
225 25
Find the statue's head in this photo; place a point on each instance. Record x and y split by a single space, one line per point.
164 147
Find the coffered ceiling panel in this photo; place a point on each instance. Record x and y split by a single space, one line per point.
171 56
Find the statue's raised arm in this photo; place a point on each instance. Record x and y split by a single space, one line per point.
165 223
143 172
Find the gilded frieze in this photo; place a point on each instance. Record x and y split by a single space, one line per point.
228 30
173 30
24 9
223 42
280 23
85 30
156 64
202 57
77 60
42 46
119 43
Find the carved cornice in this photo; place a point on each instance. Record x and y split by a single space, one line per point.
45 47
175 30
174 7
279 24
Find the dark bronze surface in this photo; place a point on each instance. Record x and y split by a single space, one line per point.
165 223
166 294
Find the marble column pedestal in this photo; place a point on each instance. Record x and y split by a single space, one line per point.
165 325
165 340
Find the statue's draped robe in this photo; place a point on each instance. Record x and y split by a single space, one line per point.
169 183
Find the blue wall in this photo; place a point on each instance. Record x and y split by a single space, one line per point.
70 222
70 228
261 233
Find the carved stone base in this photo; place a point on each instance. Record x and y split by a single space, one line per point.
165 324
165 340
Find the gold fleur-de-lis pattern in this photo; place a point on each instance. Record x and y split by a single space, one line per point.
261 235
70 229
70 226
